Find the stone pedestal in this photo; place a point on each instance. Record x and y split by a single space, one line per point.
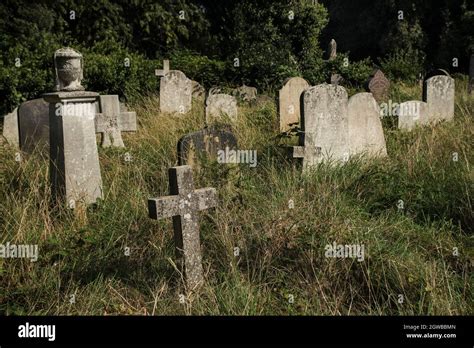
74 159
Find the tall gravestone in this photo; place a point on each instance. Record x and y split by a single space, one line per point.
221 105
325 126
74 160
10 128
289 98
438 93
184 204
176 91
365 128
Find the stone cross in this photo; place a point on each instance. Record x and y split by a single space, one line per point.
110 122
165 70
183 205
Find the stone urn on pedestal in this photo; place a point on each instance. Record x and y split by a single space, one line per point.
74 160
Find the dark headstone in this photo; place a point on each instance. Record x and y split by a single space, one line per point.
33 123
204 143
379 86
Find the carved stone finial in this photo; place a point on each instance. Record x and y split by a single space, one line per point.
332 50
68 66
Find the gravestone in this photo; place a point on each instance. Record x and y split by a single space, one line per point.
245 93
221 105
325 126
111 122
10 128
183 205
289 98
204 143
365 128
74 160
471 74
438 93
332 50
33 122
379 86
175 90
199 92
412 113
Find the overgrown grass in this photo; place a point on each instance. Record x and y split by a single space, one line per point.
409 252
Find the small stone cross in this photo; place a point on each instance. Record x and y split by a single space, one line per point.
111 121
183 205
165 70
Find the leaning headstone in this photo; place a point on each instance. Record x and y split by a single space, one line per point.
325 126
183 205
365 128
111 121
10 128
74 159
412 113
289 98
245 93
175 90
438 93
221 105
379 86
204 143
471 74
33 122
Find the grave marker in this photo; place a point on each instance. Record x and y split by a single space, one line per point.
74 160
289 98
219 105
183 205
325 126
10 128
176 90
365 128
204 143
379 86
33 122
438 93
111 122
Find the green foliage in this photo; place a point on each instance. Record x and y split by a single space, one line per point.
111 69
208 72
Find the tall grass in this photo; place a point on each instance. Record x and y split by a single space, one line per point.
410 264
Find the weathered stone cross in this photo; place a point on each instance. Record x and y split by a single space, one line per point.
111 121
165 70
183 205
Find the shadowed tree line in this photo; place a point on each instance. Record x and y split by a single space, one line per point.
222 42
